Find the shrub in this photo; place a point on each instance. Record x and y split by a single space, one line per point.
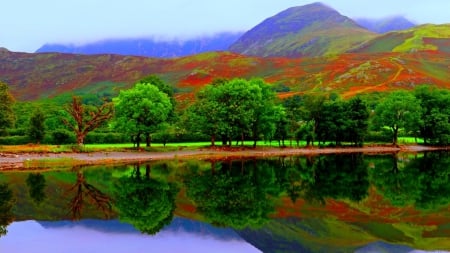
14 140
61 136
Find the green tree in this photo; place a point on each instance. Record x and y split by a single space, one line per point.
140 110
36 129
235 109
266 112
162 86
7 117
6 208
435 128
357 113
399 110
204 115
146 203
36 187
85 119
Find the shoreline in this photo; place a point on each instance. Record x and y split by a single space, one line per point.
21 161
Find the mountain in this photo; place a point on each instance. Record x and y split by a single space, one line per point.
310 30
46 75
419 38
148 47
385 25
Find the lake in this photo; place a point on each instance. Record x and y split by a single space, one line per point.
323 203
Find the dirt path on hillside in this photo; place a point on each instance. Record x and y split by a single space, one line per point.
12 161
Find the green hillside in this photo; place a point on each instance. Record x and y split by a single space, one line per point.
420 38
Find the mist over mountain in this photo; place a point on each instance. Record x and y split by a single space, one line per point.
149 47
309 30
385 25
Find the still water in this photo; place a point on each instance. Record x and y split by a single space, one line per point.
335 203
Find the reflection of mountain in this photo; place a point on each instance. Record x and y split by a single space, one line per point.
383 247
178 225
314 235
106 226
299 235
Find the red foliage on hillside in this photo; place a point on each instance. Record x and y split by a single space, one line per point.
32 76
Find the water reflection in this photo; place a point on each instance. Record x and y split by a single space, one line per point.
279 204
36 187
6 206
83 192
234 194
422 182
114 237
146 203
317 178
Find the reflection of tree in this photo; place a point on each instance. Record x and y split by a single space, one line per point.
434 171
83 189
423 181
6 205
333 176
396 183
295 175
237 194
148 204
36 186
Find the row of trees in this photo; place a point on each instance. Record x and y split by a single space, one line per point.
241 110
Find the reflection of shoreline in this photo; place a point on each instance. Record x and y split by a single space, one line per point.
111 236
178 225
16 161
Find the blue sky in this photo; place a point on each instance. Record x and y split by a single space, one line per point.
28 24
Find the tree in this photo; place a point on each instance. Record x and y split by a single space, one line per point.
7 117
235 109
36 129
84 119
435 127
357 114
140 110
204 115
400 109
266 112
162 86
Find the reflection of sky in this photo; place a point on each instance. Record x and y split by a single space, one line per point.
30 236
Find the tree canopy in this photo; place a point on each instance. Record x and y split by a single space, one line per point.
7 117
140 110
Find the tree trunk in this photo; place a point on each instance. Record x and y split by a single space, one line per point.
80 139
395 137
138 140
148 139
213 140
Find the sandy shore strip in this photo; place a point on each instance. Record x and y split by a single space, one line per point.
10 161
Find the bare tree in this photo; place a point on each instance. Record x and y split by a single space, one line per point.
84 121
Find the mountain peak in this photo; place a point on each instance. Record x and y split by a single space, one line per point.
300 31
385 25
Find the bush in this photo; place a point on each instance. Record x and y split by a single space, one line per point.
14 140
60 136
105 138
382 136
17 131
